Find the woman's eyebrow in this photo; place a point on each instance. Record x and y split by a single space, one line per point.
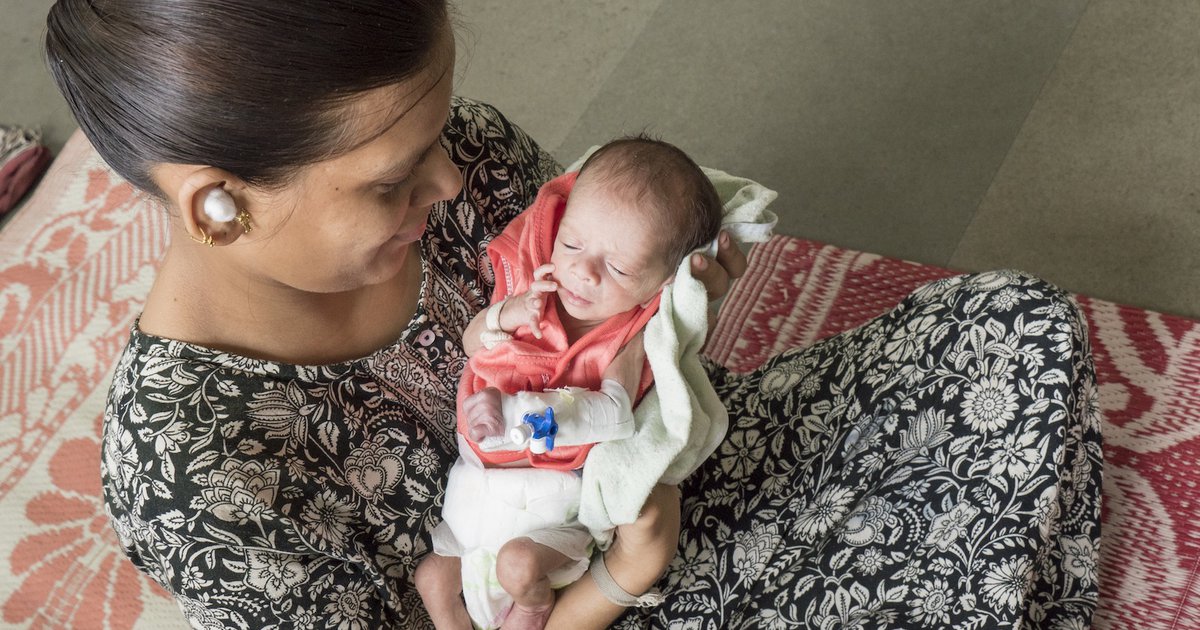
401 168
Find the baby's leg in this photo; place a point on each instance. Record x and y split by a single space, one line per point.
523 569
439 581
639 554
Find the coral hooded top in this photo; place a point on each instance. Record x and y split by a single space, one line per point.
530 364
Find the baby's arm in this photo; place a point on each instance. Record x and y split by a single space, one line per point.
583 416
626 368
523 309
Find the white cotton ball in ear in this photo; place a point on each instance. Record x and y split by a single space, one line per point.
219 206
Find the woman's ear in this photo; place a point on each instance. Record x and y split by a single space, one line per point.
211 205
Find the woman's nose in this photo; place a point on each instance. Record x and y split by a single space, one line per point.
445 179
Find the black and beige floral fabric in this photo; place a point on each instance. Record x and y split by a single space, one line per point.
938 467
267 495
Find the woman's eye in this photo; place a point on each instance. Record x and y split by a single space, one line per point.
387 189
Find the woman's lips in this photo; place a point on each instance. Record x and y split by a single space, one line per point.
411 234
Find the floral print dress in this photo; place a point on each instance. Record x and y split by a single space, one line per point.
937 467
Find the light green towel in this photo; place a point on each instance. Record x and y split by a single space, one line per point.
681 421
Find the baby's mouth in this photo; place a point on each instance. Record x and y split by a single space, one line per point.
573 298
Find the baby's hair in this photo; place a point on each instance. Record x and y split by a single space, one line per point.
649 170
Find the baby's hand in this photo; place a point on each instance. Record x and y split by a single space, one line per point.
483 413
526 309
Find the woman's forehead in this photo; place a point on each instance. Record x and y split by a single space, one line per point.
370 116
393 125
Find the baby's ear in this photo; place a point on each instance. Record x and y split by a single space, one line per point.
669 280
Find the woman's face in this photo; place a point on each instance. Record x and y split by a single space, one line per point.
354 220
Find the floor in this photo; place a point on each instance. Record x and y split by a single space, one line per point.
1062 138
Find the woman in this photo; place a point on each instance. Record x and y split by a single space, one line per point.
281 422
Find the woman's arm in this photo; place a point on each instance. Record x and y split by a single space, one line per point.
642 550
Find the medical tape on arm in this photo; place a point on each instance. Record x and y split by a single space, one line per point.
583 416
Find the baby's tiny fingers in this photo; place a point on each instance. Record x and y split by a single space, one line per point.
485 427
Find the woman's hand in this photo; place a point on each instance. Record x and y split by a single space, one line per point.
729 264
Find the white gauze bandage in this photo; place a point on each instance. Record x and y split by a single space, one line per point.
583 416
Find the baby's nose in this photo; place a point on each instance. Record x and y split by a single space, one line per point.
585 272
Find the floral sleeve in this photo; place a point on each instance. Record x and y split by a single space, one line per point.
502 166
267 495
502 170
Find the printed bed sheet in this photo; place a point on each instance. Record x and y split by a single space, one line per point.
76 262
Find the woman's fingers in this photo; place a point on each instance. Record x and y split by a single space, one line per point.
716 275
730 256
713 276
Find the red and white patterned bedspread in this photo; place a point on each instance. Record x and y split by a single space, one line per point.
77 260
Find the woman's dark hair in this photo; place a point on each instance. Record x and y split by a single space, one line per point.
686 208
248 86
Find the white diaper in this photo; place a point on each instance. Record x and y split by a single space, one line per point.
487 507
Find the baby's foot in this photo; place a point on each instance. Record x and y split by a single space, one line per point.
527 617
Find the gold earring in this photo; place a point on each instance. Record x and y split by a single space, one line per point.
207 240
243 218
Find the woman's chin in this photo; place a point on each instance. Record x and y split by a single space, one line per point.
391 260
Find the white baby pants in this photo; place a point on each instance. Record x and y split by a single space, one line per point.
487 507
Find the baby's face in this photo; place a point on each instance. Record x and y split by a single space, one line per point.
606 257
